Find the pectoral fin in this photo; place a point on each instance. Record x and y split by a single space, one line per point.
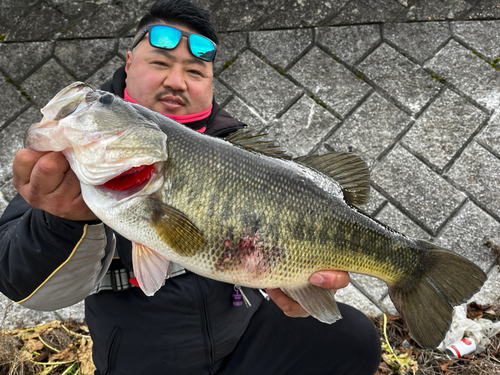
176 229
150 268
316 301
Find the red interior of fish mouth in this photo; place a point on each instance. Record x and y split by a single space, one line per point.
130 179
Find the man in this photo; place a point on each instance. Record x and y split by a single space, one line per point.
54 251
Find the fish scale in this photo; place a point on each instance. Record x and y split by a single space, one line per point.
254 177
241 211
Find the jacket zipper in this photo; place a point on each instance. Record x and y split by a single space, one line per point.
207 333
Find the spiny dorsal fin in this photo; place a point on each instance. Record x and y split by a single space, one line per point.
175 229
254 140
349 170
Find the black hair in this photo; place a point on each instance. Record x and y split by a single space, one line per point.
183 13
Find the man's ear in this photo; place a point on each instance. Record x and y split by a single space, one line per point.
128 61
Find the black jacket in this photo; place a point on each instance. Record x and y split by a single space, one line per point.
47 263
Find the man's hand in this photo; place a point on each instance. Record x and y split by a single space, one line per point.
324 279
46 181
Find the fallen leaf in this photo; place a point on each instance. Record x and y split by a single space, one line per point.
33 345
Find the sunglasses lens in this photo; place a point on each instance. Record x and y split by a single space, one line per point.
164 36
202 47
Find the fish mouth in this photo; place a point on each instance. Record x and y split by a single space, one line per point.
131 179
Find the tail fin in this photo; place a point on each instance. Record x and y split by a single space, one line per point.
426 304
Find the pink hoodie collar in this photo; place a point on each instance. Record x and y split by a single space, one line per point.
183 119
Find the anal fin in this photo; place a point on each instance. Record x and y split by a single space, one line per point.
150 268
317 301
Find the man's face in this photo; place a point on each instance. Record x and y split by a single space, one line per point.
169 81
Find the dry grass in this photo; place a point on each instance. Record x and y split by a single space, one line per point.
54 348
420 361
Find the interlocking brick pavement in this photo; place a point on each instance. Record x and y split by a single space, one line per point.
412 86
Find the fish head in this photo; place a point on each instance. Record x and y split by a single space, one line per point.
104 138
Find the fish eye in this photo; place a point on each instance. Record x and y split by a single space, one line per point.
107 99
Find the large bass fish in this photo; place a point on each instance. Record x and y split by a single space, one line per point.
239 211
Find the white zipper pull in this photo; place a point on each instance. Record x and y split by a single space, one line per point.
239 289
264 294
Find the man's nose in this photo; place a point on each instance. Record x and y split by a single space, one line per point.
175 80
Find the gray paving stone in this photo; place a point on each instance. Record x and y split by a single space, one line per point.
490 136
349 43
370 286
467 232
38 25
237 15
18 316
109 20
368 11
485 9
420 191
3 203
4 28
17 60
370 129
489 291
376 200
209 5
105 73
270 6
245 114
12 11
475 172
124 46
8 191
42 85
398 221
73 9
471 75
437 10
405 81
300 13
352 296
11 141
12 101
230 46
419 40
481 36
82 56
329 81
302 127
221 92
261 85
281 47
387 306
443 128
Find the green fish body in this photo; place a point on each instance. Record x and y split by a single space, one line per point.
241 212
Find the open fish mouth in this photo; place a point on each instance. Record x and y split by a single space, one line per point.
131 179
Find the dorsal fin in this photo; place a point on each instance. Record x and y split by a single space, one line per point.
349 170
254 140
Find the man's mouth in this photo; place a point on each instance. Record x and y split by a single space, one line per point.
130 179
172 100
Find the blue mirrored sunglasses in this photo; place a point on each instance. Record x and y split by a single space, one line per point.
168 37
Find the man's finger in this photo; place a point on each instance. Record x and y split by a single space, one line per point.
330 279
22 166
69 186
285 303
48 173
